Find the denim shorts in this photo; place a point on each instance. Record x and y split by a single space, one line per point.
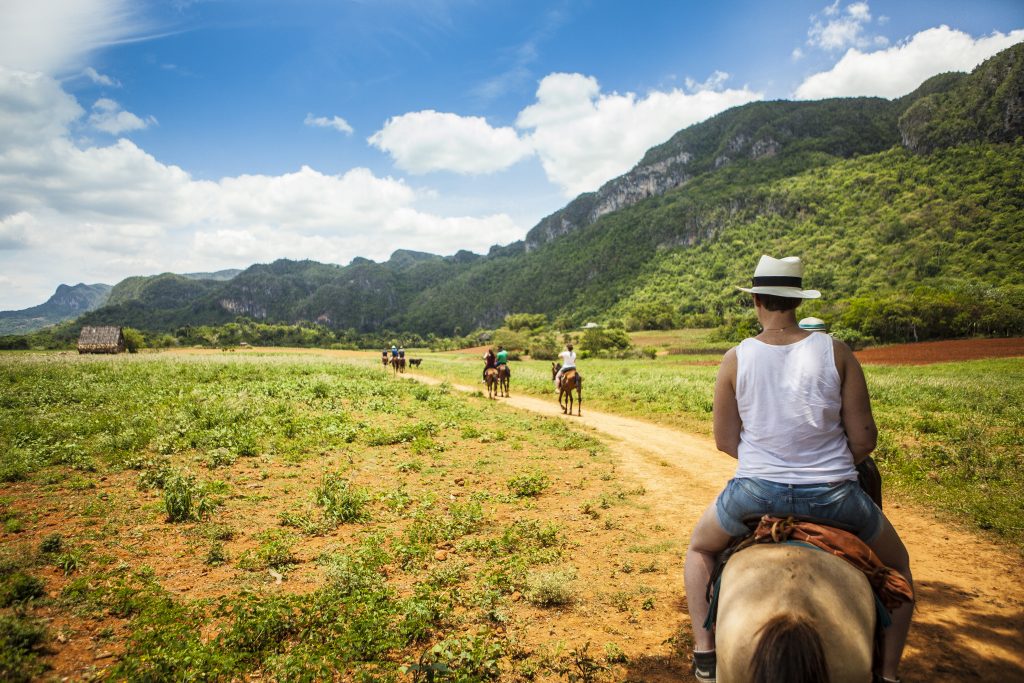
843 501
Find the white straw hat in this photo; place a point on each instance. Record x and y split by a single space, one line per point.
780 277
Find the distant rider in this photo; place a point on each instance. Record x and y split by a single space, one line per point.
568 357
401 352
502 359
490 361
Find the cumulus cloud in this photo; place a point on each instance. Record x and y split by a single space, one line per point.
336 122
98 78
100 213
108 116
899 69
425 141
15 230
585 137
52 36
837 28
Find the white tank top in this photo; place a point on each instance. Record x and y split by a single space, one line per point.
789 399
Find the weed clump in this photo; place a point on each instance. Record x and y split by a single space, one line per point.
529 485
551 588
342 502
184 499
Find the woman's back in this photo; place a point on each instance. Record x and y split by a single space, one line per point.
790 402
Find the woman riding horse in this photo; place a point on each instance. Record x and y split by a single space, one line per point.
793 407
567 379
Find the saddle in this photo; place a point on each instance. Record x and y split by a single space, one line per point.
569 376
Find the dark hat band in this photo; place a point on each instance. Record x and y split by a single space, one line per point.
778 281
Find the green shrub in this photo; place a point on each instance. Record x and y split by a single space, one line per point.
552 587
20 587
528 485
51 544
184 500
342 502
20 640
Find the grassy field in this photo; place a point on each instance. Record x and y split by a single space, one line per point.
302 516
951 434
293 517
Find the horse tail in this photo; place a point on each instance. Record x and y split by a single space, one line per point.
791 650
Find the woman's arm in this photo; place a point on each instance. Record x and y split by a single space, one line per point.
861 432
726 414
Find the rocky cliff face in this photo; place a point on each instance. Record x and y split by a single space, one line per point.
646 179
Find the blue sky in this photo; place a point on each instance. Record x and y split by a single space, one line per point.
183 136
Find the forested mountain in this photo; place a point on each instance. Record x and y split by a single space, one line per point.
880 197
69 301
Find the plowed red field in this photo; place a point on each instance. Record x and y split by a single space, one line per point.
923 353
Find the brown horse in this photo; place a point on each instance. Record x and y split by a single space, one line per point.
503 379
385 361
491 377
398 364
570 379
796 614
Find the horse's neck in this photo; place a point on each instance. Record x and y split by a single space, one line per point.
763 582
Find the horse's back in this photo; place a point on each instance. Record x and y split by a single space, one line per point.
766 581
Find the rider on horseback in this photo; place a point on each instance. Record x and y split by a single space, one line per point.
793 408
501 360
568 363
490 361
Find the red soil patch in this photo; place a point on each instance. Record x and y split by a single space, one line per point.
924 353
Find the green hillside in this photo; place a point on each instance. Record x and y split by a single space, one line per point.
908 213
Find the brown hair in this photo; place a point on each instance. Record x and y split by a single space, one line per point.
778 303
789 650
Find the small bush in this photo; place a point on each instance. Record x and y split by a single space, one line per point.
21 587
51 544
20 639
550 588
184 500
528 485
342 502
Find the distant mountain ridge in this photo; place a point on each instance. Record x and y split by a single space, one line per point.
922 190
69 301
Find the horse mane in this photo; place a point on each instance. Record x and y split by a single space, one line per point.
790 650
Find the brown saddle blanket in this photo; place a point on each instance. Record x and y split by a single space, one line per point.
889 585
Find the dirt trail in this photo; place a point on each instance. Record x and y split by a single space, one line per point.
969 623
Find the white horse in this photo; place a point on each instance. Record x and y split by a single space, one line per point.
795 614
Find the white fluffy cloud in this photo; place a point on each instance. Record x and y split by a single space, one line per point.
100 213
837 28
336 122
425 141
585 137
15 230
108 117
898 70
98 78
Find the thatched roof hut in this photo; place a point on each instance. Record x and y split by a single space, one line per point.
101 340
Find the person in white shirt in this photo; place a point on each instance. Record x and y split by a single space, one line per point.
792 407
568 357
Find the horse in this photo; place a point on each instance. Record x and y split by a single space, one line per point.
503 379
415 362
385 361
570 379
491 377
398 364
796 614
